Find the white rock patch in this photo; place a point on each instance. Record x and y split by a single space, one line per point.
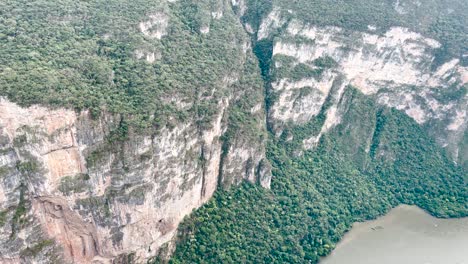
396 66
272 21
156 25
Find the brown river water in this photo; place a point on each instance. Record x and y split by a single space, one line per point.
406 235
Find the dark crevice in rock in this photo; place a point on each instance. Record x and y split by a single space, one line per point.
203 163
262 49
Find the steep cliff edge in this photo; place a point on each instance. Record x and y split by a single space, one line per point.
62 179
393 68
102 157
96 198
308 61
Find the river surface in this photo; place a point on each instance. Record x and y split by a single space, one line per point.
406 235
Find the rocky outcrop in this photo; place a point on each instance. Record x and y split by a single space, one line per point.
155 26
312 66
77 237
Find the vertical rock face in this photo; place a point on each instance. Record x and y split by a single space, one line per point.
62 181
313 66
38 149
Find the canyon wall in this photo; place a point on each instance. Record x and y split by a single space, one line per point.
62 180
312 67
76 187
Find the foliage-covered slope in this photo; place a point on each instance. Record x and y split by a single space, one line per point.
137 58
315 197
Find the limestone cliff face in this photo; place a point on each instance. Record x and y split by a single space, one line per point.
68 194
395 68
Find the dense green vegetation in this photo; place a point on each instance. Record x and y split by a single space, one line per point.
83 55
316 196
